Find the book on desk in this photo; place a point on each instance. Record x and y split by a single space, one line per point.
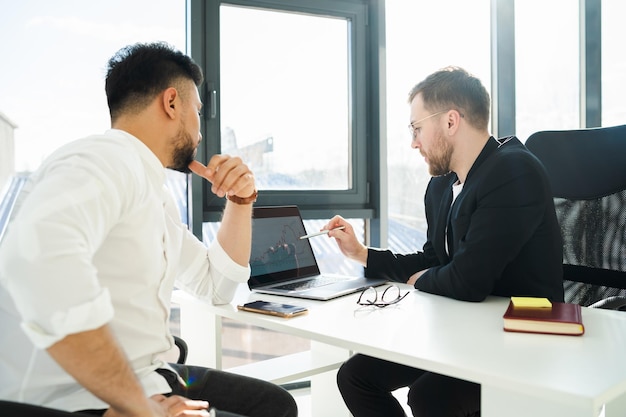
555 318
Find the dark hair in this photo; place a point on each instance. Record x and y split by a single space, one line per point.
137 73
455 88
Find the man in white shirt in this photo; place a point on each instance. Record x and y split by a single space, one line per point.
95 246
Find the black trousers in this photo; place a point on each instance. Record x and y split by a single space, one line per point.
366 384
230 394
234 395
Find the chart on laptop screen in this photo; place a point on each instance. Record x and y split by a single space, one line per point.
277 246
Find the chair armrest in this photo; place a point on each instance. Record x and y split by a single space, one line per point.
182 349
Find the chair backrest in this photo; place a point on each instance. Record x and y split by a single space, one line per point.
587 171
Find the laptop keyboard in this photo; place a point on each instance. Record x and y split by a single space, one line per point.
311 283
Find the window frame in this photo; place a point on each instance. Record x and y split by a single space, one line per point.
204 46
368 197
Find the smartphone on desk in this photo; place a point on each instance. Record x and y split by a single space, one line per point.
273 309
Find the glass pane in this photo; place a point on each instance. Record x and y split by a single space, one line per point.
243 344
52 84
546 66
613 63
416 47
285 97
327 254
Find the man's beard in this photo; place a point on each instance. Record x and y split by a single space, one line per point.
439 160
184 151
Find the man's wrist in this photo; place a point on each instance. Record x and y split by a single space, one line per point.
362 258
243 200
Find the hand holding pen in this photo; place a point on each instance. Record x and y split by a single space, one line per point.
321 232
346 239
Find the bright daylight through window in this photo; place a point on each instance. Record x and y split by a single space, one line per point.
290 119
415 50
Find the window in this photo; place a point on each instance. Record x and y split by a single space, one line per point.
547 69
291 100
416 47
52 84
613 63
244 344
284 99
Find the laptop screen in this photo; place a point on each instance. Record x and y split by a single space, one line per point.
278 254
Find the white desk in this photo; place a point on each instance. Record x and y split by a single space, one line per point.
520 374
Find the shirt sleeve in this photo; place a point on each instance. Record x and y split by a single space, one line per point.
89 315
208 273
46 256
226 274
398 267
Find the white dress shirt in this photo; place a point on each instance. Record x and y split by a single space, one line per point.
96 238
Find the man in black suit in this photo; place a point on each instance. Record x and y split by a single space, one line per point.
492 230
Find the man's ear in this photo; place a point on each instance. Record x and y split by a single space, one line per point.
171 102
454 118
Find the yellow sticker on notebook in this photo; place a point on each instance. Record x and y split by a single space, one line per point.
535 302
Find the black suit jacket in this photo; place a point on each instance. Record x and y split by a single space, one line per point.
503 235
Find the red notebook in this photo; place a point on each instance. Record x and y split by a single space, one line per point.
562 318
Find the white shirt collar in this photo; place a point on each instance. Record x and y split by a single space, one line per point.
146 154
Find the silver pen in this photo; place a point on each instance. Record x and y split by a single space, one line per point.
322 232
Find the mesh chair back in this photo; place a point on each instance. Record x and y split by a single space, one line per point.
587 171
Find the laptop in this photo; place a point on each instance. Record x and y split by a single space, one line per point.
283 264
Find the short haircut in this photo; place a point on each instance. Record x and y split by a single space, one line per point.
137 73
455 88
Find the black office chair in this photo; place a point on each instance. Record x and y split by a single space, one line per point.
587 171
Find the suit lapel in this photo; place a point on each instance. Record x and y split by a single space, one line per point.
442 222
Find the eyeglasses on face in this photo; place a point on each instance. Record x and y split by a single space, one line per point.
390 295
413 125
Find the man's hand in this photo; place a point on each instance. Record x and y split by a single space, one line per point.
162 406
413 278
346 239
97 362
227 175
230 176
